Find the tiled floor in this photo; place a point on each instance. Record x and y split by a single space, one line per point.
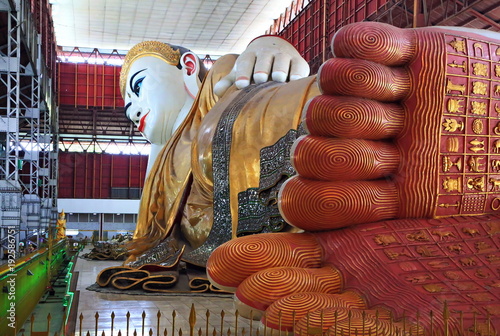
105 304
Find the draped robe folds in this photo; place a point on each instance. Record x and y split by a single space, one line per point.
179 188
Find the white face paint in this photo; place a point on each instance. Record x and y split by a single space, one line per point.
155 95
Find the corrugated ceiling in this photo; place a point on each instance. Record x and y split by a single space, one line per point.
214 27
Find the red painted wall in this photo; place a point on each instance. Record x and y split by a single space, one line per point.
307 32
96 85
95 175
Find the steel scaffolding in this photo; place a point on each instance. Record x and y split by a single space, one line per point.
28 143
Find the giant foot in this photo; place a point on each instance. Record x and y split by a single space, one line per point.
406 127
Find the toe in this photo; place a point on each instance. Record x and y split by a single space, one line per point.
285 312
377 42
333 159
322 205
234 261
351 117
364 79
263 288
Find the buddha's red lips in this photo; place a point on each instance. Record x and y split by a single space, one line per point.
142 123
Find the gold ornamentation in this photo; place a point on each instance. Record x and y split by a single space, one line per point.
470 231
417 236
452 145
478 108
457 248
468 261
434 288
443 234
474 164
497 109
454 105
482 246
147 48
493 258
458 45
497 70
495 164
497 89
438 264
450 86
420 278
384 239
476 183
497 132
479 88
374 228
480 69
494 226
452 125
454 64
477 145
495 184
496 284
482 274
452 184
425 251
394 255
477 126
448 164
448 205
452 275
467 286
473 202
478 46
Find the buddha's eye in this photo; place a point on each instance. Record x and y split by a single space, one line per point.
137 86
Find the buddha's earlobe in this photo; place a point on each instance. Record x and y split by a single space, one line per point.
190 68
189 62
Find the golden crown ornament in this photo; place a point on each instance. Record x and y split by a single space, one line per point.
147 48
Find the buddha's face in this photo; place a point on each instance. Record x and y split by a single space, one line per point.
154 97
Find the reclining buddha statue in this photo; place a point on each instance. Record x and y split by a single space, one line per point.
206 136
396 193
389 209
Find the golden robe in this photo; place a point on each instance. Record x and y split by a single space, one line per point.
179 190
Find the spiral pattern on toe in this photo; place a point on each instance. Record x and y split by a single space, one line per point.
343 159
349 117
378 42
360 324
320 205
263 288
247 255
280 315
320 322
347 77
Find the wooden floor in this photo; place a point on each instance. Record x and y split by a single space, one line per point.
91 302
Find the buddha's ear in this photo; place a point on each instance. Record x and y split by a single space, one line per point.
190 69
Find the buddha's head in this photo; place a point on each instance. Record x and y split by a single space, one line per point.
157 81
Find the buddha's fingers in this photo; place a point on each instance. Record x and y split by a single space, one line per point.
377 42
262 68
323 205
243 73
234 261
